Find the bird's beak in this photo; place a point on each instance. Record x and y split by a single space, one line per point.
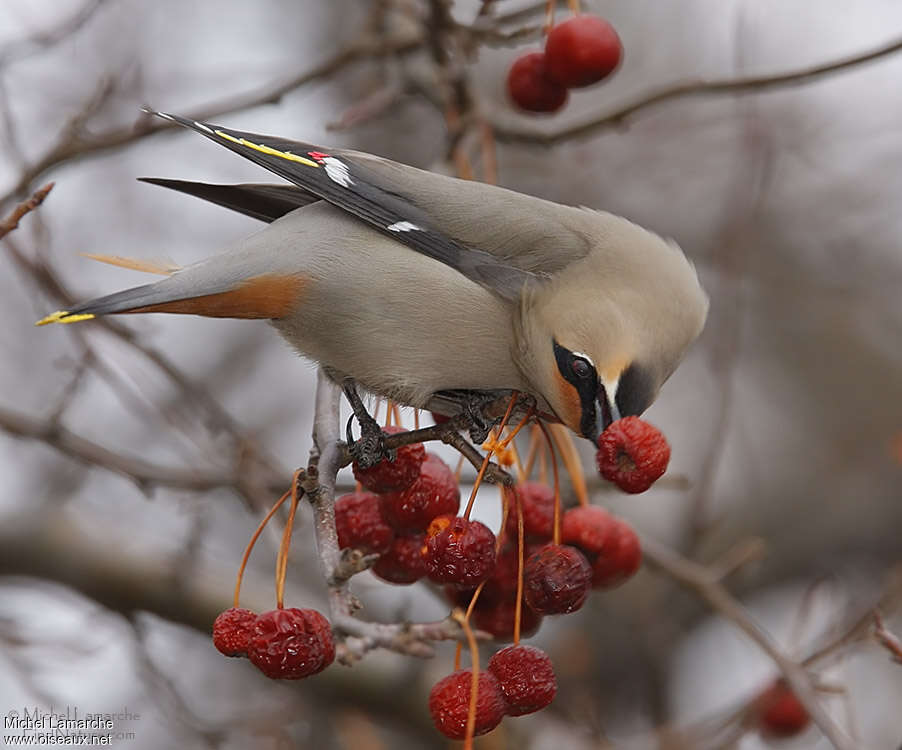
606 410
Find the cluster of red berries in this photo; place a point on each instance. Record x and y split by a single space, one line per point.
286 644
519 680
578 52
544 562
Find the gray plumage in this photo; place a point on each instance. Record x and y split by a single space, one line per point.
489 293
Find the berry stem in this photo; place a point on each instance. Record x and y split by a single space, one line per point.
574 7
570 457
282 559
520 425
416 419
532 452
518 604
493 446
556 538
252 542
474 681
459 469
549 15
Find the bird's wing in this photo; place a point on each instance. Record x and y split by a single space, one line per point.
429 213
264 202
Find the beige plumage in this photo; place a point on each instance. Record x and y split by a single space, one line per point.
413 284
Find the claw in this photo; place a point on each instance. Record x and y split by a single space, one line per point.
369 449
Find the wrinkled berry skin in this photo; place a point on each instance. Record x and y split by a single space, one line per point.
556 579
587 527
619 559
780 713
497 618
526 677
290 644
530 87
403 562
537 503
459 551
232 631
449 702
581 51
632 454
435 492
393 476
360 522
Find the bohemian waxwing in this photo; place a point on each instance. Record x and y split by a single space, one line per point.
416 285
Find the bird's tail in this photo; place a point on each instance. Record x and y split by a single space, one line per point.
203 289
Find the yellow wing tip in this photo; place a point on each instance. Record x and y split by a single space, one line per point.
62 316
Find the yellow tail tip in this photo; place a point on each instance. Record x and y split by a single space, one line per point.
62 316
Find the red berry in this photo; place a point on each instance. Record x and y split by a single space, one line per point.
403 562
449 703
434 493
498 619
361 524
232 630
459 551
587 527
530 87
537 502
581 51
633 454
289 644
502 583
393 476
556 579
620 558
526 677
780 713
439 418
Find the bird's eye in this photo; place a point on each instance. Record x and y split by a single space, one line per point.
581 368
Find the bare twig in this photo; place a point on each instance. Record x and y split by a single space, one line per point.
695 88
11 222
40 40
887 639
73 142
144 474
703 582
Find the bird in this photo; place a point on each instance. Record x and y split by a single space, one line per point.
419 287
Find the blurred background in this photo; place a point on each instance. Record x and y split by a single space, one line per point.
138 456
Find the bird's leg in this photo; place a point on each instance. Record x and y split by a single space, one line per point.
369 449
473 406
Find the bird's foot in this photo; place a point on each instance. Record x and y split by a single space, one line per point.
369 449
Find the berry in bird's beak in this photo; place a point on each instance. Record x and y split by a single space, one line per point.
633 454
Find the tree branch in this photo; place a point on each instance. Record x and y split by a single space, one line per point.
694 88
73 143
11 222
708 586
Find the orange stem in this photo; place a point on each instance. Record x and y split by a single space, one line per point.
557 486
493 446
570 457
533 451
521 544
250 545
474 685
282 560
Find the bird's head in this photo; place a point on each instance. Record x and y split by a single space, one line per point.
598 340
